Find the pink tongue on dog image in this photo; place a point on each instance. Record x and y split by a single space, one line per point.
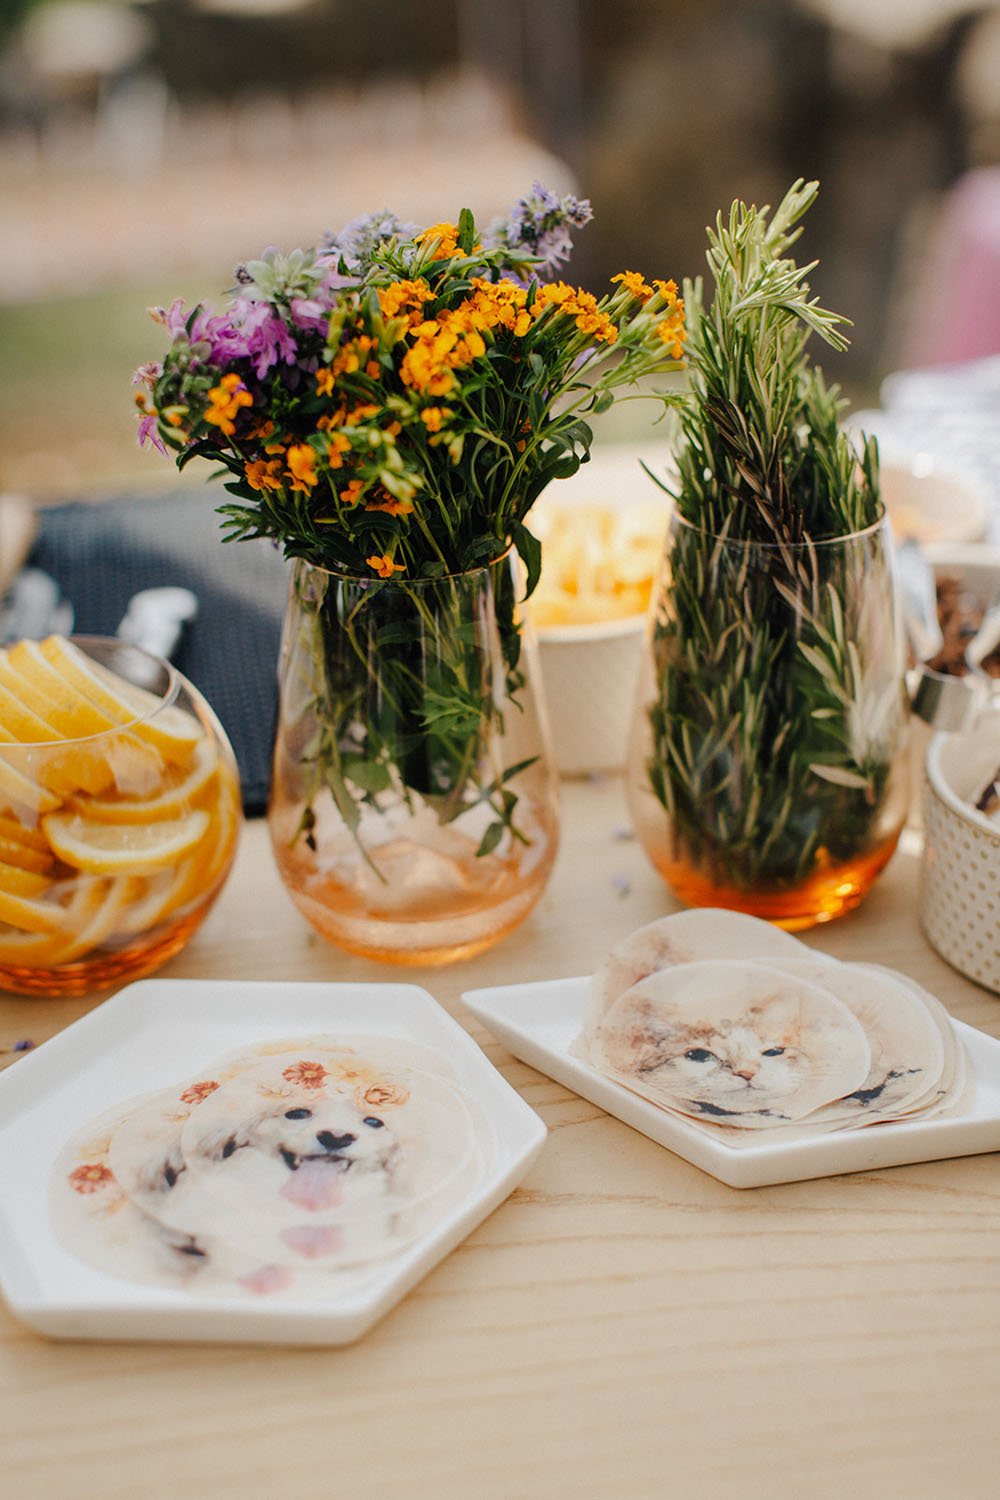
315 1184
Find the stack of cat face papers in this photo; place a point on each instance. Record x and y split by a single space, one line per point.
727 1021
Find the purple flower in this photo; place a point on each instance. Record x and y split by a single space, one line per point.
357 241
261 335
538 227
148 432
308 313
212 336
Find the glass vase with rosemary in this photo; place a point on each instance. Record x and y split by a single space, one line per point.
387 408
768 758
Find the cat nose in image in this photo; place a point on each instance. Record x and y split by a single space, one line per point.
747 1073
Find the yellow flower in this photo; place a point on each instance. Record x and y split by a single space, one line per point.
503 303
580 305
425 365
225 400
446 236
634 283
404 296
390 507
384 565
338 446
433 416
302 466
264 474
349 359
672 329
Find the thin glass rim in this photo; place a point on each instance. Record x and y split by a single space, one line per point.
371 581
167 699
747 544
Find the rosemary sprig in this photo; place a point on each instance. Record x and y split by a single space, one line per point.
779 707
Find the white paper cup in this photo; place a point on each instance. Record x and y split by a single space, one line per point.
959 901
590 674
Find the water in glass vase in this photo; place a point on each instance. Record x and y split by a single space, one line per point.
413 805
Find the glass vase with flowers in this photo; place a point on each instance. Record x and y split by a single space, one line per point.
387 408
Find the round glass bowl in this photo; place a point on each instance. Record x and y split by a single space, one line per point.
119 813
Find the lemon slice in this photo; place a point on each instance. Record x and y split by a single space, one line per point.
28 849
176 791
173 732
46 706
28 914
44 949
197 876
15 880
26 675
18 793
22 722
123 848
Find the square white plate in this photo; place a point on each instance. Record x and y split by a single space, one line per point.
538 1022
158 1031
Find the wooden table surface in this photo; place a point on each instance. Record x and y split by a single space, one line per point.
622 1326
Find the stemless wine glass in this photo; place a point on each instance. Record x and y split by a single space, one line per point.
768 765
119 813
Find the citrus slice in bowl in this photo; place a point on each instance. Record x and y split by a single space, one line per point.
178 790
172 731
123 848
29 914
39 946
15 880
20 794
28 848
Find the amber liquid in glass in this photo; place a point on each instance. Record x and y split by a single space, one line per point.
828 893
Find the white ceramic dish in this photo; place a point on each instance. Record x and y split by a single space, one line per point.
929 504
538 1022
156 1032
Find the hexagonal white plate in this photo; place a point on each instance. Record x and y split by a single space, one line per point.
153 1034
538 1023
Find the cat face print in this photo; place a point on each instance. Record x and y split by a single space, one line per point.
735 1042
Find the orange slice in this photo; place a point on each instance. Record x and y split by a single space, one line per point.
173 732
123 848
177 791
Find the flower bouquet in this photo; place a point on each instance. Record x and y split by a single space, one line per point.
387 408
769 768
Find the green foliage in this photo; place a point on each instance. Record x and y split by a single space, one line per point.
779 709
